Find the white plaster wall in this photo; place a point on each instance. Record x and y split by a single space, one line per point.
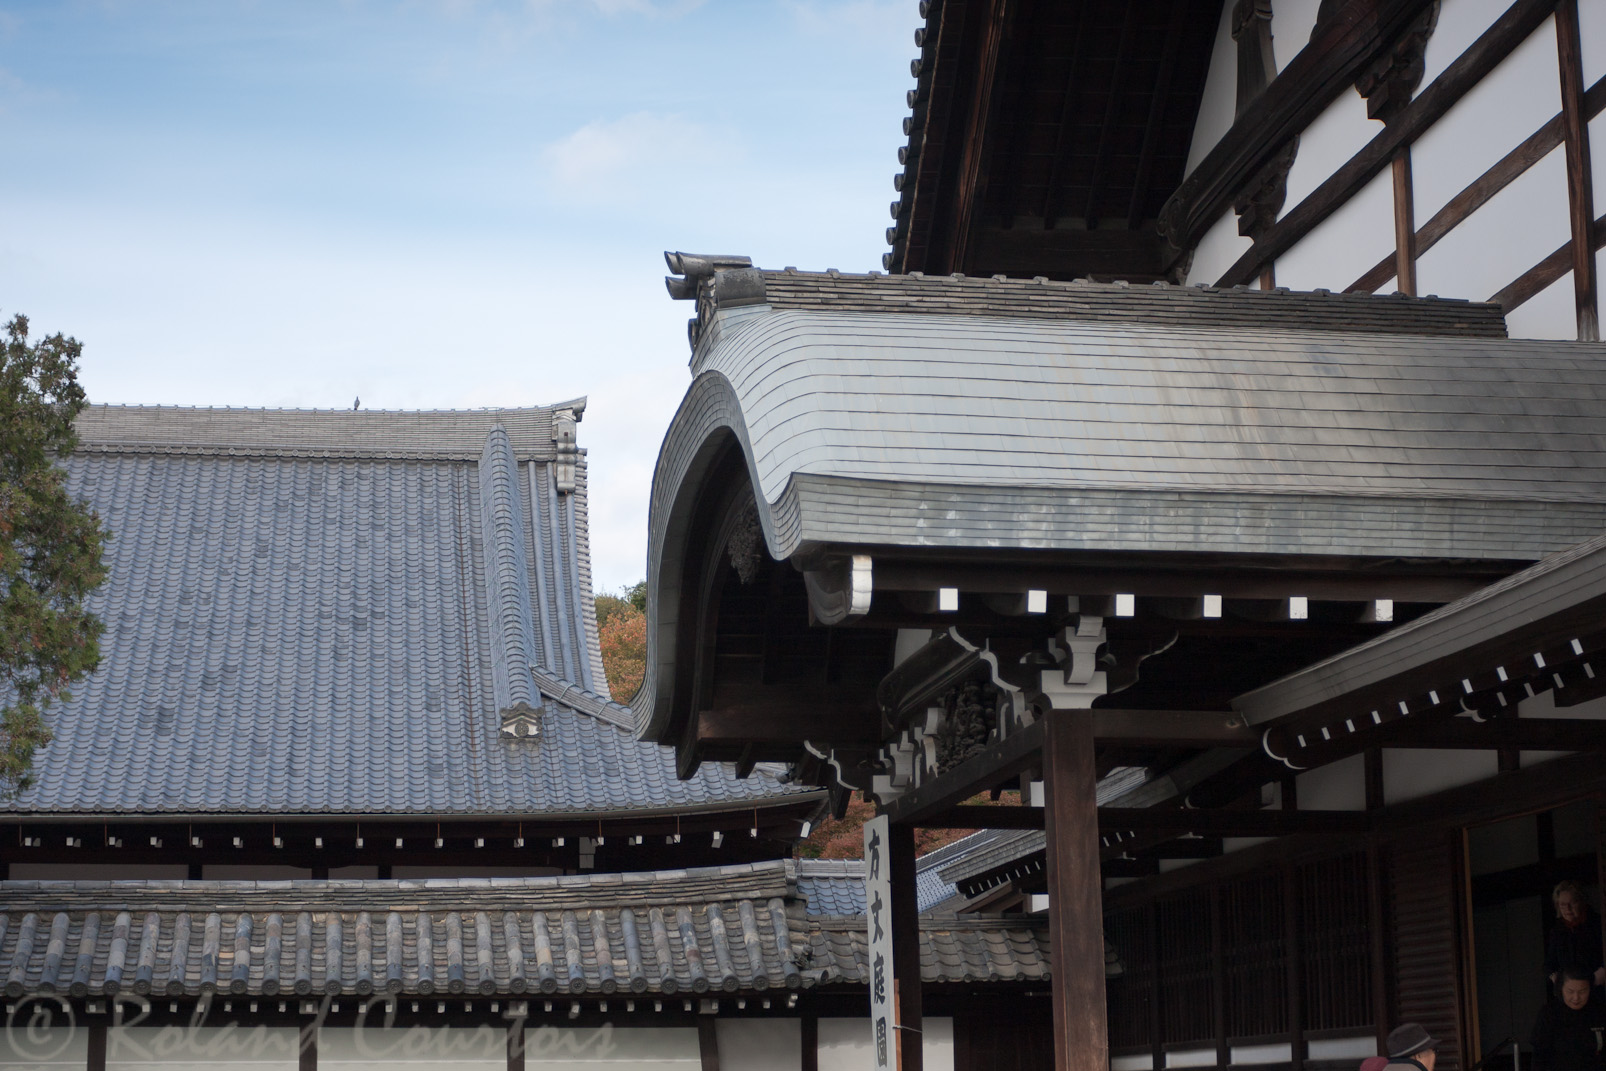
46 1043
1291 24
1345 244
1592 28
1191 1058
549 1048
760 1044
1597 153
1516 229
1517 98
1338 786
1262 1054
1409 773
844 1044
1460 23
259 1048
1341 131
1218 250
1139 1062
1356 1048
1220 97
1551 313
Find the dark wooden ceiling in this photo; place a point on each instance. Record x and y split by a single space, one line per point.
1048 134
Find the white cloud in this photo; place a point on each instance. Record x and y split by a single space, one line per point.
622 160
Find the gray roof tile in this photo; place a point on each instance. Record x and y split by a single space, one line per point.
323 613
590 934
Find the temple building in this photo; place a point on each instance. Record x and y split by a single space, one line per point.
1148 483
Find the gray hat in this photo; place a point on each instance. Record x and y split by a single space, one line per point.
1408 1039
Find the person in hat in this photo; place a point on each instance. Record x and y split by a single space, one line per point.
1411 1048
1568 1033
1575 939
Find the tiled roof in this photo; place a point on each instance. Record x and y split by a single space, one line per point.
1003 433
836 886
334 613
727 929
1157 304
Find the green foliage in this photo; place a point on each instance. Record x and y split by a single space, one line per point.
632 598
50 545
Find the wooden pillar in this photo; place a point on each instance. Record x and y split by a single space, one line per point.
1156 987
97 1047
1218 980
1580 188
1075 893
811 1041
515 1045
708 1041
1374 779
1377 931
309 1045
1295 964
1404 223
906 948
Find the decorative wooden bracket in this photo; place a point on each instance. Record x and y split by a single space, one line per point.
839 589
1389 82
1262 199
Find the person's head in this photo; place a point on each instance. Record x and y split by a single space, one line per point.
1575 981
1569 901
1411 1041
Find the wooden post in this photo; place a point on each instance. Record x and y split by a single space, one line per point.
1218 981
1295 975
1377 931
1075 893
906 947
1374 779
96 1060
1580 184
811 1041
708 1041
1156 1019
309 1045
1404 223
515 1045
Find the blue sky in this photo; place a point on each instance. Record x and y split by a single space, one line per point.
433 204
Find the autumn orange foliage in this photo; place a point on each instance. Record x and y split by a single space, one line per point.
624 651
844 838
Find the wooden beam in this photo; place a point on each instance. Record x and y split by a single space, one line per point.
1541 275
1172 728
1404 222
1505 171
1112 108
906 948
96 1058
1293 963
1345 582
708 1042
1062 128
1075 893
515 1045
811 1041
1339 49
1159 97
1580 184
1509 30
1522 734
972 179
308 1049
994 763
1223 822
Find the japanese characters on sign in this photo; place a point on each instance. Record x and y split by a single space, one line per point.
878 905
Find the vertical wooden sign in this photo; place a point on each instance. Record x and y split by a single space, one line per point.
878 909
